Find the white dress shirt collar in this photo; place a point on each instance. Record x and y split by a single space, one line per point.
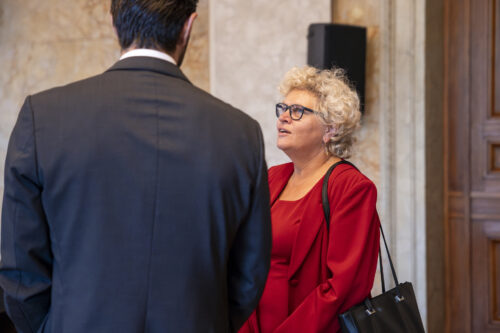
148 53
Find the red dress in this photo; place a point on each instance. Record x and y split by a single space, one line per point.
315 274
273 305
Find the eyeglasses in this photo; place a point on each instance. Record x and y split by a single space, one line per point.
296 110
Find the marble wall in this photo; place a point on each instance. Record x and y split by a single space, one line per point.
366 13
253 44
53 42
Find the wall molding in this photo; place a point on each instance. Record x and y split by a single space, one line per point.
402 123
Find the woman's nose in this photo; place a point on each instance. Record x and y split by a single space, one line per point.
284 117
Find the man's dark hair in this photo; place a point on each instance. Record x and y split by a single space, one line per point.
151 24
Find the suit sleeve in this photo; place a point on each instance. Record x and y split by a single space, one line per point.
249 258
352 259
26 257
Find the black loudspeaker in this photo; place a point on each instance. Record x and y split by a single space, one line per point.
344 46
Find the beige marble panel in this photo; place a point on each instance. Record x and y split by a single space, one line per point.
51 20
86 20
366 13
54 42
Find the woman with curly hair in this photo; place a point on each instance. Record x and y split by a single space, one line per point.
317 272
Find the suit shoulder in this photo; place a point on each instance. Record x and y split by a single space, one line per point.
65 91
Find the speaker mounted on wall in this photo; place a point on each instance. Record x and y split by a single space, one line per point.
337 45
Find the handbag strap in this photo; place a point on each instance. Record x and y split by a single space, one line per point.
326 211
381 270
324 190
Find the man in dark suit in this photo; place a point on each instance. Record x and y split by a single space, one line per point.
134 201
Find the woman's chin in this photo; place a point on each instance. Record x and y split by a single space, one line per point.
283 142
284 148
281 145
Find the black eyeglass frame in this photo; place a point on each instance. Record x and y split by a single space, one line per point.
285 107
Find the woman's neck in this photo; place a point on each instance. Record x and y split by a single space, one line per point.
308 167
307 172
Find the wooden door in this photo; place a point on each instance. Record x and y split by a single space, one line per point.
472 165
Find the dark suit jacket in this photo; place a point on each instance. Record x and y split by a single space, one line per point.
134 202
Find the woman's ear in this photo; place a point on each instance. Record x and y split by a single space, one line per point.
330 132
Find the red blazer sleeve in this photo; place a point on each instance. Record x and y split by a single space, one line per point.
351 257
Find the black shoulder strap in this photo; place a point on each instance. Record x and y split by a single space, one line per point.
326 211
324 191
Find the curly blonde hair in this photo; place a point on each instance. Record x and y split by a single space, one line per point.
338 103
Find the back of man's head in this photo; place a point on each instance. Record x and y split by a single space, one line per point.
151 24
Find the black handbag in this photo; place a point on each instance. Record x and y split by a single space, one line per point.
395 310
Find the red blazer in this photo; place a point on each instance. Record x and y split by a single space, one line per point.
329 271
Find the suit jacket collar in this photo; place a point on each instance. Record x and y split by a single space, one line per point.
149 64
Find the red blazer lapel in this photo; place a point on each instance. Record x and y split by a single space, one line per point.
307 234
310 224
278 178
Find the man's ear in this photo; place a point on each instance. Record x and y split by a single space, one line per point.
186 29
112 24
330 132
